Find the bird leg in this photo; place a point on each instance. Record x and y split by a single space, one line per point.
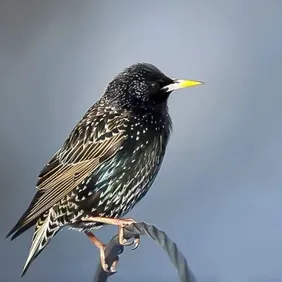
101 247
121 223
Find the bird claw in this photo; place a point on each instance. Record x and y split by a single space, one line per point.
125 242
136 242
113 268
105 266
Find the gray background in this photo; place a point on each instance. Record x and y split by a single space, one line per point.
218 194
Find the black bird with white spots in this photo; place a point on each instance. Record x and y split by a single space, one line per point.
108 162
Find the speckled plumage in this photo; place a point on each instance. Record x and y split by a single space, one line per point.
108 162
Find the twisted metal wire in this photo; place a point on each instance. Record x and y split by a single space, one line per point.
113 250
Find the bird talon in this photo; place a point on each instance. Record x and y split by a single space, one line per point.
136 243
114 266
105 266
126 242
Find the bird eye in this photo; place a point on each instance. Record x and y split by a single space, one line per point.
154 86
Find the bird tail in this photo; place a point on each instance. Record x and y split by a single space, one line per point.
46 228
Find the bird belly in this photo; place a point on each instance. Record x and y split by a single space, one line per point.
113 189
126 181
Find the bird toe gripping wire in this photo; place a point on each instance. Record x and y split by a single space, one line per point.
114 249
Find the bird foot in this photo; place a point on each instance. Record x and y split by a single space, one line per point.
122 240
121 223
102 248
135 242
104 265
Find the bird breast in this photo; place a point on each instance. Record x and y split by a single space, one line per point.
125 179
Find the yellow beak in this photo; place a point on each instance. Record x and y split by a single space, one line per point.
180 83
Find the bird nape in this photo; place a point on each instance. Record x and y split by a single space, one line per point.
108 162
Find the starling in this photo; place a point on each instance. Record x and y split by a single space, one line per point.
108 162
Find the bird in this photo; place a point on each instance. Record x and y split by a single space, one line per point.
107 164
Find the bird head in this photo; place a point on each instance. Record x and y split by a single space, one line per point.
143 85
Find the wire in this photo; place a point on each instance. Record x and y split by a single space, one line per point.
113 250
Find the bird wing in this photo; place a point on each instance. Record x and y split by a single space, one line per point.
95 139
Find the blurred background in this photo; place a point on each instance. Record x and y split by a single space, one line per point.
219 192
